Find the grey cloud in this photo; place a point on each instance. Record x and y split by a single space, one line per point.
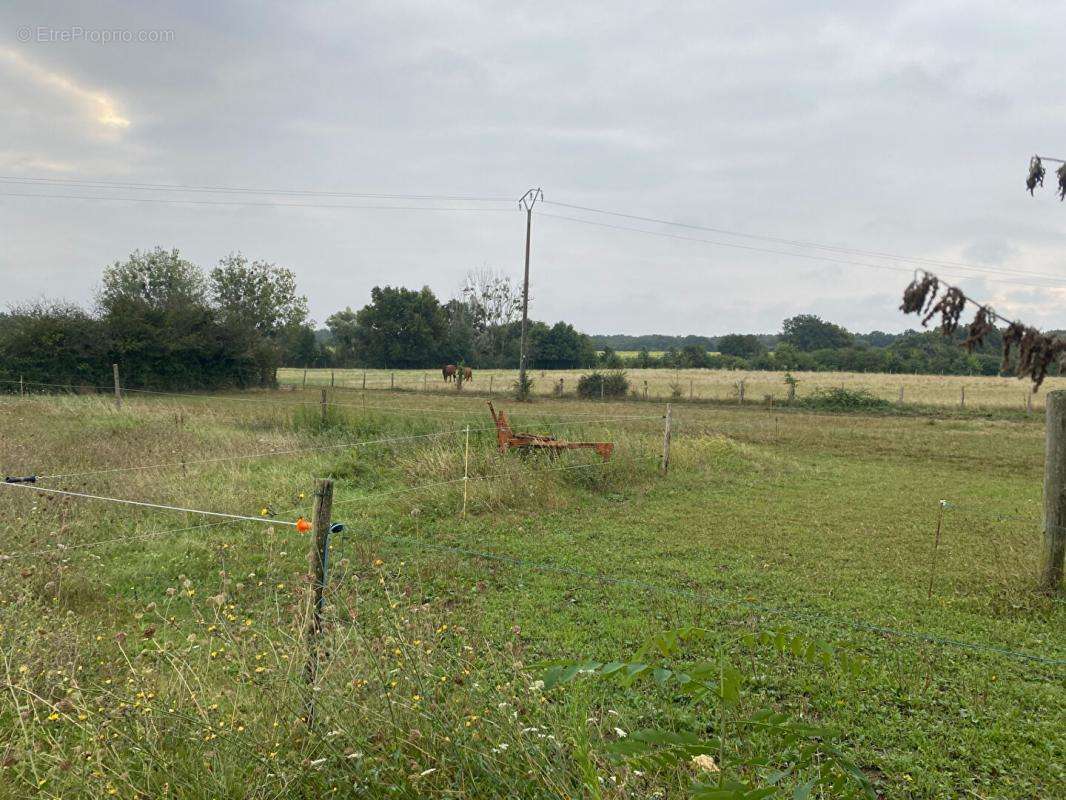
898 127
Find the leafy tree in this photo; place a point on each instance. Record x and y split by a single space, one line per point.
343 327
401 328
560 347
609 358
161 328
786 356
808 332
741 345
258 305
299 347
459 335
643 359
694 356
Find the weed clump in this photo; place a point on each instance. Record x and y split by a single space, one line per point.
840 399
603 384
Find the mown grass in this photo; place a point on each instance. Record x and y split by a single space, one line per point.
172 665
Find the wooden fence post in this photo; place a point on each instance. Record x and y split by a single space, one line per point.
304 386
490 385
1029 402
962 397
901 394
364 379
324 406
181 427
332 378
1054 491
740 391
936 547
466 469
690 393
645 390
666 440
319 560
392 381
425 381
118 386
22 391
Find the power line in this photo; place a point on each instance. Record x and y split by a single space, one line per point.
753 248
814 245
181 201
171 187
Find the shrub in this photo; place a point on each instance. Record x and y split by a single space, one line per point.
522 390
845 400
603 384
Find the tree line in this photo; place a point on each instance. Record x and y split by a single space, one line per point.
407 329
168 323
172 324
808 343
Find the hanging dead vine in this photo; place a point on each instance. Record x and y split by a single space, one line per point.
1036 351
1036 174
919 296
1061 172
984 323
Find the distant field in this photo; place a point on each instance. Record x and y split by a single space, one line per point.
708 384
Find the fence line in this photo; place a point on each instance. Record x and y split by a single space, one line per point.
593 417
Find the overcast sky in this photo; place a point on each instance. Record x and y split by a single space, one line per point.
901 128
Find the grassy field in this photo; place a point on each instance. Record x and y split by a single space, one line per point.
146 657
981 392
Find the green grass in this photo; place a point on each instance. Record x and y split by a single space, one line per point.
173 664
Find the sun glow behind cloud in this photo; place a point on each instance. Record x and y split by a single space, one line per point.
101 109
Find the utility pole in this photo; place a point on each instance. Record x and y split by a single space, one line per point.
526 202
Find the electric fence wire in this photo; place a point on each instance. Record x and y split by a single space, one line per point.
271 520
143 504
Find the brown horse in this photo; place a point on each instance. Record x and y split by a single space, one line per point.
448 371
468 374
